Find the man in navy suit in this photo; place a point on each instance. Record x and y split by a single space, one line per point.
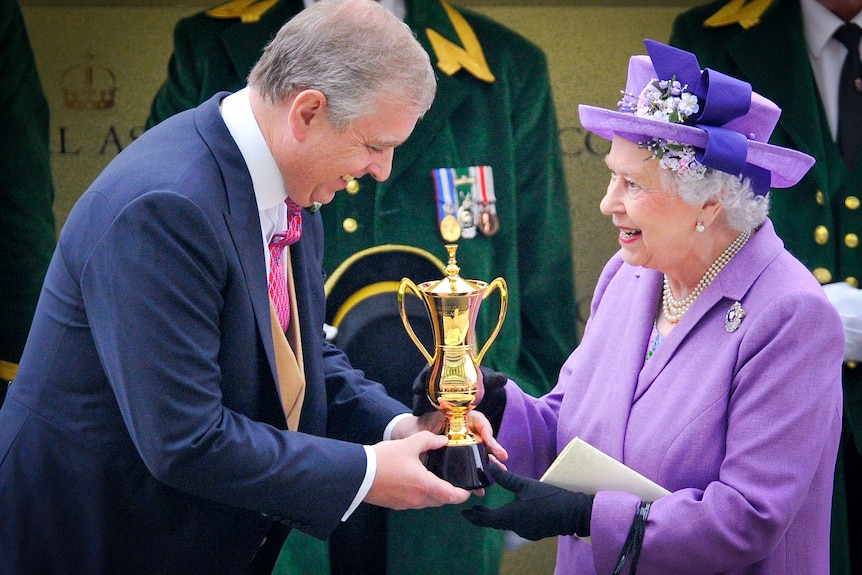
144 432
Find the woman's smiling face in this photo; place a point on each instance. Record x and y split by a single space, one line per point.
656 227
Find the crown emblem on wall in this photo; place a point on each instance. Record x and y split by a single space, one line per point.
88 86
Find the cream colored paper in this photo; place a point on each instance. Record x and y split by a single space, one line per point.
583 468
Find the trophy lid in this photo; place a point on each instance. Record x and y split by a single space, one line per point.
452 283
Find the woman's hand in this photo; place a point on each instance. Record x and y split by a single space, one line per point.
539 510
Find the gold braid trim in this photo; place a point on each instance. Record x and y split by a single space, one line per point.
247 11
450 57
743 12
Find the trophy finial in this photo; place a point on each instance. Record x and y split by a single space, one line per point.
452 268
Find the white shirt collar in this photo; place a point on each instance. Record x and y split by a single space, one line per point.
819 25
265 176
397 7
825 54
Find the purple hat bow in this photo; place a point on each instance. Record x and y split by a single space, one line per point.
723 99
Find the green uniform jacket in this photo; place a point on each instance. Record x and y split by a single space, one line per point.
510 125
27 235
819 219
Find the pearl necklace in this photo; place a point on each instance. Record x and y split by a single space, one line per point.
674 309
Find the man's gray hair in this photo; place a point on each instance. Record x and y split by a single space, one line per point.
355 52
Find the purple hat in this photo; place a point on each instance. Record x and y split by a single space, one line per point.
693 119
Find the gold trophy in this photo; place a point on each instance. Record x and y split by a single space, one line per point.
453 305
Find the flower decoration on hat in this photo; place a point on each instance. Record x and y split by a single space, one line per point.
684 94
695 119
667 101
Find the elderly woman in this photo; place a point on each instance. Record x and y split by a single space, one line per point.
711 363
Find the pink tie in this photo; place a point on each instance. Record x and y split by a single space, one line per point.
277 277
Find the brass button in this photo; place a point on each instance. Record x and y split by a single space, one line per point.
850 364
823 275
821 235
818 197
851 281
352 187
852 202
349 225
851 240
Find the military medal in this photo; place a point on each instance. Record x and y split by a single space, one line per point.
466 219
444 187
464 183
466 204
450 229
488 223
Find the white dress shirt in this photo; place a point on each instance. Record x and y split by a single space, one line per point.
826 54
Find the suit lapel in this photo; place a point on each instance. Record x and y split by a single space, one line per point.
240 214
731 285
628 314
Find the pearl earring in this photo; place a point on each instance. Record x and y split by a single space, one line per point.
700 227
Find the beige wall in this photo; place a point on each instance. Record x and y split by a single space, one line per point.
588 49
125 46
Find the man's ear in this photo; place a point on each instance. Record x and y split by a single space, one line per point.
307 110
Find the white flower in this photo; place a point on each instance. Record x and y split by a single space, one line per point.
667 101
688 104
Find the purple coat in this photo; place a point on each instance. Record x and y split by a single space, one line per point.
741 426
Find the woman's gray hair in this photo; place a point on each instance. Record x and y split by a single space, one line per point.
355 52
743 208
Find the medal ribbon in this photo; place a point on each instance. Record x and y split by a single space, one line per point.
485 179
444 185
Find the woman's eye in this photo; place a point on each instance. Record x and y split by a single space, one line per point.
633 187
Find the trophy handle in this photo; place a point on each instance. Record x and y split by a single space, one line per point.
408 286
499 284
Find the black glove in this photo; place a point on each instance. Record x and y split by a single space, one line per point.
539 510
492 381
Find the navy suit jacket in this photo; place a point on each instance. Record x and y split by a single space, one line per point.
143 432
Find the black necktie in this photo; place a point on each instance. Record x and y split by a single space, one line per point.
850 95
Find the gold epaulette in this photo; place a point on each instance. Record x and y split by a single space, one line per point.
451 58
246 10
746 13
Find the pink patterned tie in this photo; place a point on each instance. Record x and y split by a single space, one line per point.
277 277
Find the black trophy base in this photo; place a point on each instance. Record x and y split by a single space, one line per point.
464 466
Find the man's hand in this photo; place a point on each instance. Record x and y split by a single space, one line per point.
433 422
402 482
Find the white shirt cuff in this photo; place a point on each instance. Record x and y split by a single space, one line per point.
365 487
387 433
371 468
